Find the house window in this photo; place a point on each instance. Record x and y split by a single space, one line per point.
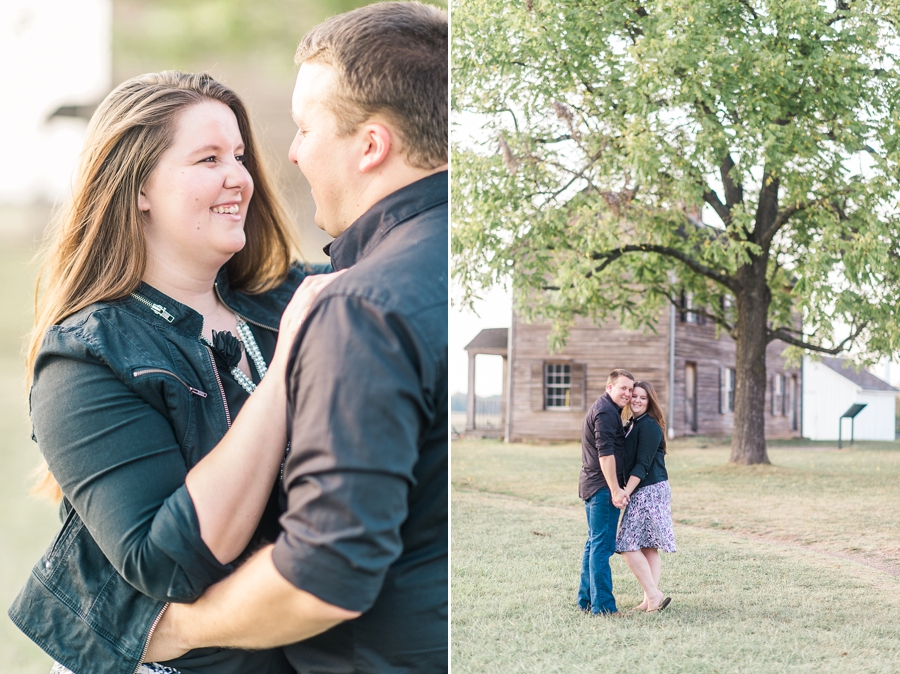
557 385
687 315
778 397
727 303
726 389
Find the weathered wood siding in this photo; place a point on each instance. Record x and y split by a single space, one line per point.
595 351
698 344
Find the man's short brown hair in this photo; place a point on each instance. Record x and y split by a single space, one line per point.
391 58
615 374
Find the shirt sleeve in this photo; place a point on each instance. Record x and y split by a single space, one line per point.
648 439
605 430
117 461
358 409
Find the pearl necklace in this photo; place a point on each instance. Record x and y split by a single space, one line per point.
245 337
252 349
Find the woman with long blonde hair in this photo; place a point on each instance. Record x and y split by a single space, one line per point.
646 526
164 322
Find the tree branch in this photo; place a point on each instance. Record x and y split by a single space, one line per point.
515 121
752 11
782 335
783 216
766 209
734 191
610 256
840 9
787 329
710 197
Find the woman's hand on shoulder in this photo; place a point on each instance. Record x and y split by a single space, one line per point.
297 310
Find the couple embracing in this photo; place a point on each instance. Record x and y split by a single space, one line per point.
623 467
250 452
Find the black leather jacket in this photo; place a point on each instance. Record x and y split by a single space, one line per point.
125 400
644 454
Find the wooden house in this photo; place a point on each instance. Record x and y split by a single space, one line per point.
546 395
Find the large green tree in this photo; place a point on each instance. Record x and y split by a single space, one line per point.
612 155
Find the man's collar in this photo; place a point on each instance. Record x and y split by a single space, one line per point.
363 235
613 402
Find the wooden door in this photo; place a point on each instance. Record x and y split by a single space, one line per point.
690 396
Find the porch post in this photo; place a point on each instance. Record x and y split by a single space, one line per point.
470 396
503 396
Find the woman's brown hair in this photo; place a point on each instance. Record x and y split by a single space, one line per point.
95 250
653 409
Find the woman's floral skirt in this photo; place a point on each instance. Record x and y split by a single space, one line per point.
647 522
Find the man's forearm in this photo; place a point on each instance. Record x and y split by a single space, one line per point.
608 466
254 608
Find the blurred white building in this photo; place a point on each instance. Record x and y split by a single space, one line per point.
57 58
831 386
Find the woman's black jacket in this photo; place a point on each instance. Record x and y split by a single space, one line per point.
644 453
126 399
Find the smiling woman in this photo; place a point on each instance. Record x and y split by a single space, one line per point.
159 261
201 181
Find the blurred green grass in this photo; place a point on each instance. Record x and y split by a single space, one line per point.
27 525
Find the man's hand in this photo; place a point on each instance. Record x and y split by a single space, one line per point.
256 607
164 642
608 466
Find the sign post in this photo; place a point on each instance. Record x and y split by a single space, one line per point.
850 414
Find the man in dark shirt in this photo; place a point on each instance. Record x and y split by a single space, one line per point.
359 574
602 444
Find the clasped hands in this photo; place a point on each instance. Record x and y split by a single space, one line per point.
620 499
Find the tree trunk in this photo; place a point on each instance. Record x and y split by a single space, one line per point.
748 444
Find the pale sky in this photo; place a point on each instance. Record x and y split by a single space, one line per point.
495 311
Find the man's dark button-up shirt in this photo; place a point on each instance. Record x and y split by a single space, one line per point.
601 435
366 524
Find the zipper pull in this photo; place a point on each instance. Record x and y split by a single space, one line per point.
160 310
196 391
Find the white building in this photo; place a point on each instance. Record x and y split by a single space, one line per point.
830 387
57 58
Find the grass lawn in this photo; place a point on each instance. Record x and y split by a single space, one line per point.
793 567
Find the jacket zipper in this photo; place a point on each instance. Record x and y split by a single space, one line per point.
157 309
244 318
157 370
150 636
160 310
219 382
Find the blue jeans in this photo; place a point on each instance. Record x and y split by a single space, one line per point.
595 592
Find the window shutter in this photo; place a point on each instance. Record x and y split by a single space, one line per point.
537 386
784 395
723 401
578 386
772 392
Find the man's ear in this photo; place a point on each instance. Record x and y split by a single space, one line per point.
376 146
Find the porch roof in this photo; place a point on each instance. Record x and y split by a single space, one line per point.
492 341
